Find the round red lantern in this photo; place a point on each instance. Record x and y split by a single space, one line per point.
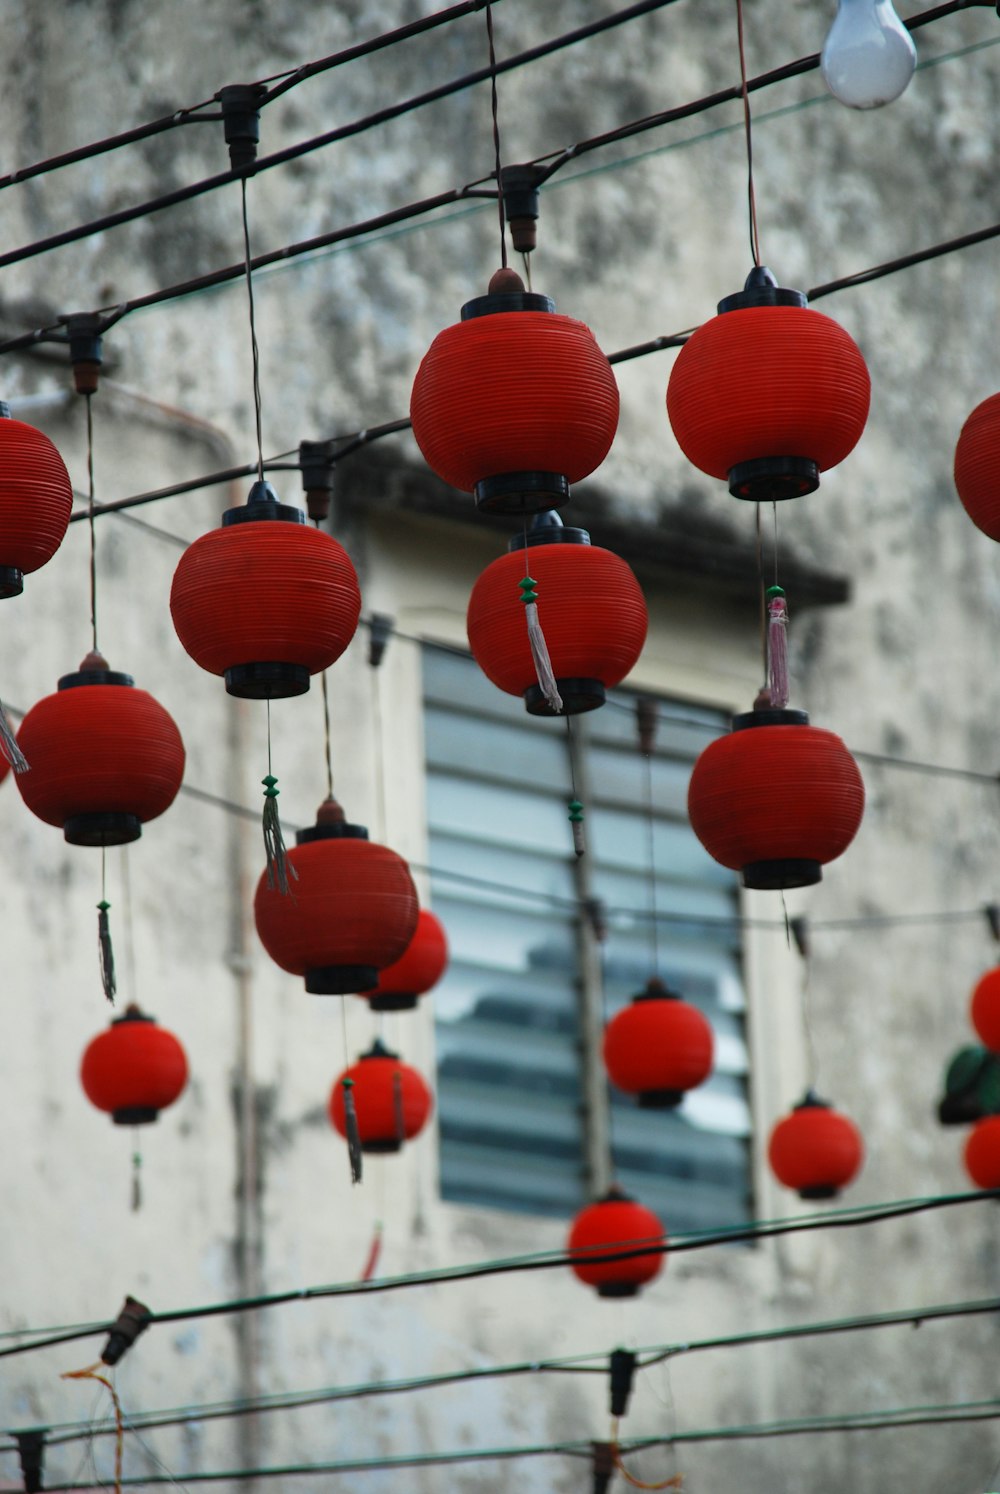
982 1152
514 402
134 1069
658 1047
815 1150
36 497
976 466
265 601
392 1101
590 607
419 968
105 757
985 1010
769 393
776 799
351 912
616 1222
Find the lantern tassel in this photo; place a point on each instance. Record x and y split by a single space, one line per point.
108 979
278 867
351 1127
777 647
9 747
539 649
374 1251
576 820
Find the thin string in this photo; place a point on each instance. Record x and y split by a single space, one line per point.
92 1373
496 133
90 520
326 735
751 198
383 817
761 587
255 354
651 851
774 517
526 260
126 878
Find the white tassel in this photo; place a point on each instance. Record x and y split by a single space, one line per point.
9 747
539 649
777 647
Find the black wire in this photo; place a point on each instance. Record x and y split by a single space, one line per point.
254 350
495 113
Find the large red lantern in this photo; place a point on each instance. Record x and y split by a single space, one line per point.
267 600
392 1101
419 968
105 757
776 799
36 497
514 402
985 1009
134 1069
616 1223
982 1152
769 393
815 1150
658 1047
976 465
590 607
350 912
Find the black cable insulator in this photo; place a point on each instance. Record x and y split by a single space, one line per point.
380 629
317 466
604 1466
84 330
130 1322
799 929
241 104
622 1374
31 1451
519 186
992 911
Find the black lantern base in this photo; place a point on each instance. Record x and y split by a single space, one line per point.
340 980
392 1001
109 829
383 1148
772 479
135 1115
577 696
660 1099
267 681
521 492
820 1190
618 1289
11 581
770 876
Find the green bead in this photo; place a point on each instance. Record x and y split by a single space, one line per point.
775 591
575 812
528 592
103 906
270 791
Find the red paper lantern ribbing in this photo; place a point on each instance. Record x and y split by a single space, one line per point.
658 1047
351 909
134 1069
514 403
816 1150
976 456
392 1101
985 1010
266 601
982 1152
420 967
776 799
104 757
769 393
590 607
616 1222
36 497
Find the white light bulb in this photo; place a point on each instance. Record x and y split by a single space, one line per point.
868 56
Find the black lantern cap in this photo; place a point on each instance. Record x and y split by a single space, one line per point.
547 528
761 288
262 503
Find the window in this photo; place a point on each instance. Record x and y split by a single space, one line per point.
513 1069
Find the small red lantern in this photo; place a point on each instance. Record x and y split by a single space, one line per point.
976 456
134 1069
816 1150
392 1101
36 497
266 601
351 909
985 1010
514 403
658 1047
419 968
982 1152
590 607
105 757
776 799
769 393
616 1222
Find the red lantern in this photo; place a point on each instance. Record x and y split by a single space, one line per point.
105 757
985 1010
590 608
816 1150
982 1152
976 466
420 967
616 1222
36 497
768 393
351 912
266 601
514 402
392 1101
776 799
658 1047
134 1069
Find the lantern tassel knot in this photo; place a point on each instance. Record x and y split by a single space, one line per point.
351 1128
9 747
539 648
576 820
278 867
107 952
777 647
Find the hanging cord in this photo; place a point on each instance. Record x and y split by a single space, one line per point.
350 1112
496 133
575 806
751 197
254 351
105 947
544 673
675 1482
133 986
88 397
383 817
762 699
797 930
328 750
651 854
92 1373
278 867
